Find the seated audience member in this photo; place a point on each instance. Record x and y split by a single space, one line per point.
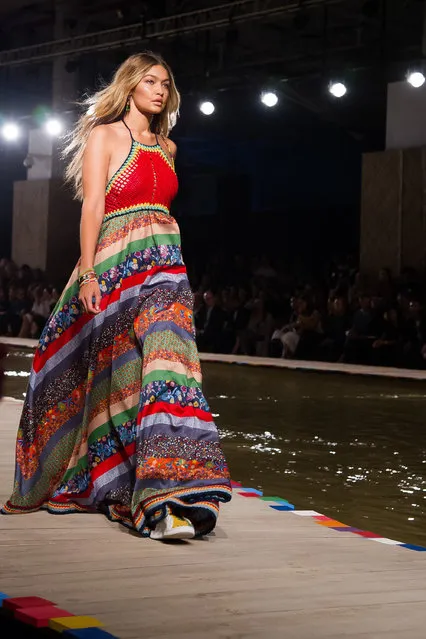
410 281
19 304
229 304
240 318
385 349
8 271
403 305
284 340
24 276
211 320
302 334
361 335
356 290
385 286
254 339
308 328
198 309
414 335
34 321
4 312
335 326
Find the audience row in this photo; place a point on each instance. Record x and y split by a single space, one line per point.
256 309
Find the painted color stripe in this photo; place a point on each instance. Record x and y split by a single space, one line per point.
277 503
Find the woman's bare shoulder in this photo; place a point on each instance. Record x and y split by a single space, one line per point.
107 132
171 146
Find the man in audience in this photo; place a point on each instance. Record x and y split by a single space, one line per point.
335 324
211 321
386 349
414 334
360 336
19 304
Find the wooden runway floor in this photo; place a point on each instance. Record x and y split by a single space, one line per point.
263 574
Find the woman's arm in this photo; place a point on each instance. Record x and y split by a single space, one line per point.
95 171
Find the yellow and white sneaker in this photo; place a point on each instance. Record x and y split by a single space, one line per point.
172 527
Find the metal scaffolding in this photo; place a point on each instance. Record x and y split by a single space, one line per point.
223 15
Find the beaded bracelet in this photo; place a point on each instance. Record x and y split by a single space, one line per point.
88 281
88 270
87 276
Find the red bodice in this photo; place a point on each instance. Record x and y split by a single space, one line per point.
145 177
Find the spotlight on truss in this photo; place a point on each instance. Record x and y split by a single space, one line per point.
10 131
53 127
207 108
338 89
416 79
269 98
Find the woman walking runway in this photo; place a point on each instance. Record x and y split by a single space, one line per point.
114 418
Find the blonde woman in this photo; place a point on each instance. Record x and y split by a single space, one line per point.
114 418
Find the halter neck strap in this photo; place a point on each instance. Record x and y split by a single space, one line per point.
133 139
131 136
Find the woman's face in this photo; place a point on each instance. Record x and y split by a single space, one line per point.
152 92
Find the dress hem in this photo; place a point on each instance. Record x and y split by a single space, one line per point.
199 504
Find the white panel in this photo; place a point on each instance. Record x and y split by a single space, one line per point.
39 155
406 116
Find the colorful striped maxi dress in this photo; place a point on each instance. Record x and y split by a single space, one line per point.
114 418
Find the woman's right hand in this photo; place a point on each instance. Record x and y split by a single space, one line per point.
90 297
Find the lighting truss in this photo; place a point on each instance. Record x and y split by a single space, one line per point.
220 16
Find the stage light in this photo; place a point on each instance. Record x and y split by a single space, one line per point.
338 89
207 108
416 79
269 98
10 131
53 127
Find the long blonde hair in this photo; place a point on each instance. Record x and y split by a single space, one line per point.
109 104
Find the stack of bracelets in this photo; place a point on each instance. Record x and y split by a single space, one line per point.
86 277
